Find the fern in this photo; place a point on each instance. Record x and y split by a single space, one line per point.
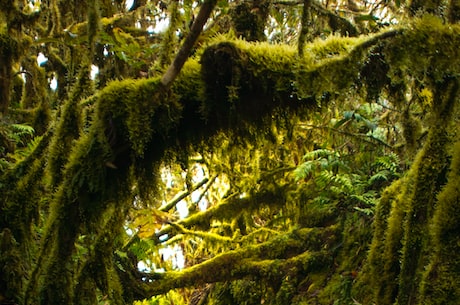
367 211
379 177
389 162
142 249
317 160
319 153
304 170
20 133
324 179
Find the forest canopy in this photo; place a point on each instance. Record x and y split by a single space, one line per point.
241 152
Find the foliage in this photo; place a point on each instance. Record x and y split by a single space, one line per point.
14 141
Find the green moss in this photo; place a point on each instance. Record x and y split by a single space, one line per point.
426 51
11 268
384 278
429 170
417 7
387 218
136 121
440 280
94 24
67 131
138 109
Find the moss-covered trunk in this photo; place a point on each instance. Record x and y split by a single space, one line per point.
403 245
442 275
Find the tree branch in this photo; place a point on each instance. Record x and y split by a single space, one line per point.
168 206
184 52
230 208
299 250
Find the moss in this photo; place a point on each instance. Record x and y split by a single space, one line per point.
453 12
8 48
387 267
271 261
135 122
67 131
412 129
429 170
94 23
169 39
12 268
375 82
417 7
249 20
425 51
387 218
443 272
142 107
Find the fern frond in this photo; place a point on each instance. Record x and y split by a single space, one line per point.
379 177
22 129
19 133
325 178
318 153
345 182
304 170
367 211
390 162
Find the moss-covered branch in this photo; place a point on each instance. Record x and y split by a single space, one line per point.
300 250
230 209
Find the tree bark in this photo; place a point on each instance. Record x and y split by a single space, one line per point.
184 52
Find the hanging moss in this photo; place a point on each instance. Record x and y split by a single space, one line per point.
453 13
387 286
67 131
94 21
169 39
130 106
412 129
375 82
22 198
440 280
97 168
253 261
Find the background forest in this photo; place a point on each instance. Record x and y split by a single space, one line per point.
229 152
